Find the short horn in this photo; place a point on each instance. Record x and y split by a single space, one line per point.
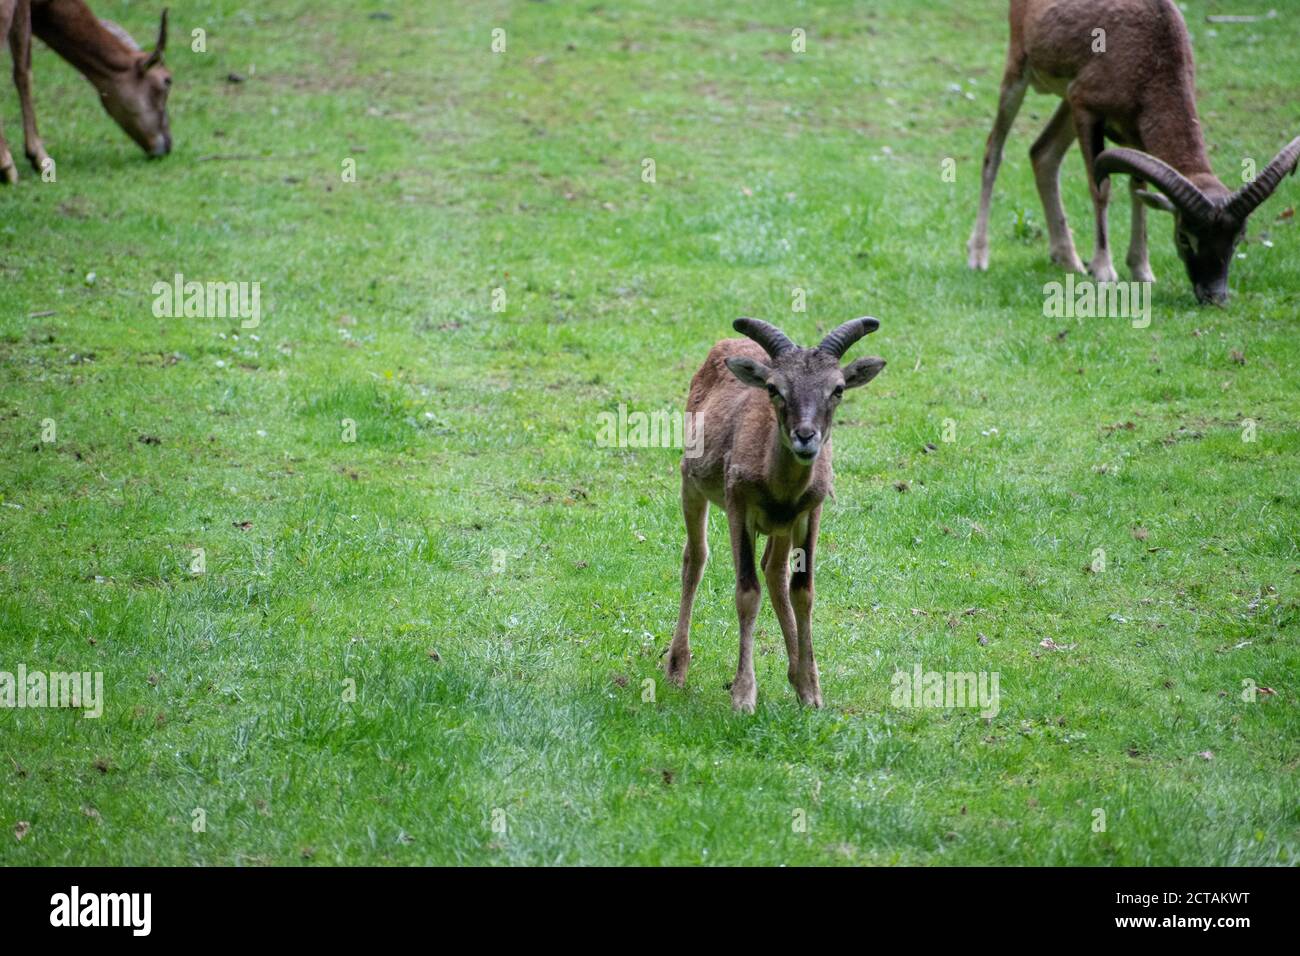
1160 174
773 340
840 340
1247 199
155 57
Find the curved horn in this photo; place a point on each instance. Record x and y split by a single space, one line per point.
1246 199
773 340
155 57
1160 174
838 341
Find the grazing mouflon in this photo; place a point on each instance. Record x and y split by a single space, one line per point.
1124 71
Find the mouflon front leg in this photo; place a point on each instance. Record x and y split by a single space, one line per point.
695 509
807 684
744 689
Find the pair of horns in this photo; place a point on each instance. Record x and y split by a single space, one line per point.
156 56
775 342
1186 196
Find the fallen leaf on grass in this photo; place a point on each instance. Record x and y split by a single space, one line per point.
21 828
1051 645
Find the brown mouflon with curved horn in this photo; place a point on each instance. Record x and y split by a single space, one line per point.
133 84
762 408
1124 70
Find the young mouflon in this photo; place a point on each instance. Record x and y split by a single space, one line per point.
1124 72
763 408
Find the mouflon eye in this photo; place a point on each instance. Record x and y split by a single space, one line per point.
839 391
772 392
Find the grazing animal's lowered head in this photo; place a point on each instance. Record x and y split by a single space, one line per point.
133 84
137 101
805 385
1209 219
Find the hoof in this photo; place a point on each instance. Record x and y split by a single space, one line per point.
1103 272
675 669
1069 261
809 688
813 699
744 695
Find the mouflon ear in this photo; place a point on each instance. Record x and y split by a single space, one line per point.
861 371
750 372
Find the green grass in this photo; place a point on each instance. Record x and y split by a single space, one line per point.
475 516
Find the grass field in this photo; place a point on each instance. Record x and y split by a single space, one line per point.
401 646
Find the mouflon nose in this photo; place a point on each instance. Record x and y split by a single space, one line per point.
805 434
1216 294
